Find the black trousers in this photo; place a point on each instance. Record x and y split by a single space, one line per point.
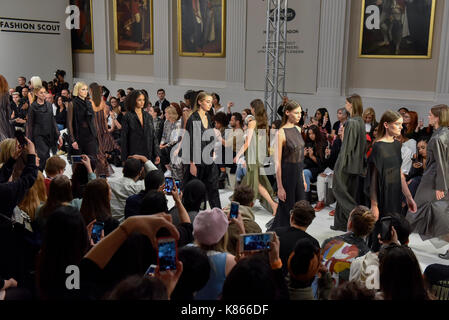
208 174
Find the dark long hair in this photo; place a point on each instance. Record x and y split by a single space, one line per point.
194 194
96 93
64 243
131 100
319 142
60 192
400 274
96 204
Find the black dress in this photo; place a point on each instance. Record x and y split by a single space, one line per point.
137 139
42 130
386 160
292 181
80 123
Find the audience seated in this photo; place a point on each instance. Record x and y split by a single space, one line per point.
54 166
365 269
351 290
154 181
96 205
257 278
400 275
210 234
301 218
129 184
339 252
303 266
193 198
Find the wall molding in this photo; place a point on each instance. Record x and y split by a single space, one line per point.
201 83
133 79
394 94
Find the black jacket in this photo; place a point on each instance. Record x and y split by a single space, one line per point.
79 114
164 105
136 139
11 193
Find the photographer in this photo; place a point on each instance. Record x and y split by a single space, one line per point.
60 83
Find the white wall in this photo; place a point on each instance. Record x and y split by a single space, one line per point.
335 45
34 54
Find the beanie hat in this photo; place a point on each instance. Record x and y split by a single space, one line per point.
210 226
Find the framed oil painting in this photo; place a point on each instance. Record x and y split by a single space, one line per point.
397 29
82 38
133 26
202 28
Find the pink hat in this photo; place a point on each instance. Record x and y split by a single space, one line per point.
210 226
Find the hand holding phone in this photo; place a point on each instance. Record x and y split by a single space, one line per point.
386 224
20 136
255 242
167 254
169 184
233 214
77 159
97 232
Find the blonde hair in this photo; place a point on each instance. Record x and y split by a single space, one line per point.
171 111
200 97
7 148
369 112
36 195
36 82
77 88
442 112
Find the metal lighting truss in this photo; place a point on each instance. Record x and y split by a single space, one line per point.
275 55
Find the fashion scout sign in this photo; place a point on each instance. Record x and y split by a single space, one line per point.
34 38
303 25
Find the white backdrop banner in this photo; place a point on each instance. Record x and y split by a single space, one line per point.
302 45
34 39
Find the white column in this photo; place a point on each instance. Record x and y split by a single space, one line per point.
442 89
102 45
162 42
235 42
332 47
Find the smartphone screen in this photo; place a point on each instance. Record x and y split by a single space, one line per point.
96 231
166 255
76 159
168 185
234 210
386 228
178 186
257 242
151 270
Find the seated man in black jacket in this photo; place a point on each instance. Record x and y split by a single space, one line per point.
301 218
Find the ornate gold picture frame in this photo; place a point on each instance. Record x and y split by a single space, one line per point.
133 26
397 29
202 28
83 38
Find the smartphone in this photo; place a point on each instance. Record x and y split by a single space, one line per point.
103 176
168 185
151 270
167 254
96 231
77 159
178 186
20 136
386 224
254 242
234 210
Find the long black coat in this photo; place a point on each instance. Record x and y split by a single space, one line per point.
136 139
